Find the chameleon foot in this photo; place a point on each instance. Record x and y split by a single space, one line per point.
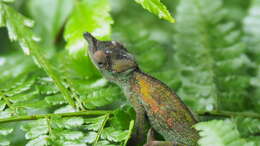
136 140
152 142
138 136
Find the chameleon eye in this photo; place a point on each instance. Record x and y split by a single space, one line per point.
101 64
100 58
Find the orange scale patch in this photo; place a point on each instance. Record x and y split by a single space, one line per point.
169 122
144 90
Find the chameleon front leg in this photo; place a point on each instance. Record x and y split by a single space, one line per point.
141 123
152 142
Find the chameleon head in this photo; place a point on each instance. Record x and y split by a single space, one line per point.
110 57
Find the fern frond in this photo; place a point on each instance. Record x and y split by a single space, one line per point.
114 135
19 29
251 27
73 130
255 140
209 76
219 133
3 133
247 126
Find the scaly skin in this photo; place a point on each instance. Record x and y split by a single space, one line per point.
166 113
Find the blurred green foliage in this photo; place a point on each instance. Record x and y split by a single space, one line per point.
210 57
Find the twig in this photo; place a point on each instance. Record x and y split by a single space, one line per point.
101 129
35 117
228 114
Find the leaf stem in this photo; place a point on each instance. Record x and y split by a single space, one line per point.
131 126
228 114
47 67
40 116
101 129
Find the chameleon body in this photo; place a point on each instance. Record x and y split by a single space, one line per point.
166 113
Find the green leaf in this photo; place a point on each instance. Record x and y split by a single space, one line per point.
2 105
14 66
247 126
40 141
87 16
122 117
35 128
4 141
32 104
36 132
5 130
90 137
254 140
19 29
18 26
73 143
65 109
105 143
223 133
252 38
7 1
2 19
6 113
48 89
31 124
94 123
70 122
51 20
114 135
21 86
23 96
97 93
55 99
157 8
203 64
146 52
71 135
96 21
101 96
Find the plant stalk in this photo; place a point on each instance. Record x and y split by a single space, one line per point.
228 114
40 116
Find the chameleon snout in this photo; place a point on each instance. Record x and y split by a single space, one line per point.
92 42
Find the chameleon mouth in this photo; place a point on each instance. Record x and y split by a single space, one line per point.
92 42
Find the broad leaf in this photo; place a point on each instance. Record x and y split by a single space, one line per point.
157 8
87 16
221 132
50 16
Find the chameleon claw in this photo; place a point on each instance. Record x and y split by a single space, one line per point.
150 135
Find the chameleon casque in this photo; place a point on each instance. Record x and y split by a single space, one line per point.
150 98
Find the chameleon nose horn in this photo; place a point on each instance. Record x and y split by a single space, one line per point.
91 41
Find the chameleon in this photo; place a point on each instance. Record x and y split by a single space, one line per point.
152 100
